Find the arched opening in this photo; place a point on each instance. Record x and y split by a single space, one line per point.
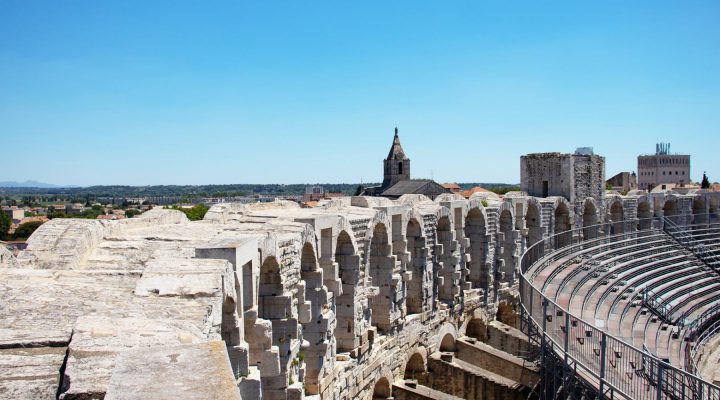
476 233
644 214
448 287
562 226
713 210
415 299
381 269
617 217
590 221
230 332
349 272
382 389
699 210
448 343
270 286
506 240
670 210
415 368
508 314
477 329
274 306
533 223
315 357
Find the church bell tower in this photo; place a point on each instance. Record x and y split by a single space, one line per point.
397 165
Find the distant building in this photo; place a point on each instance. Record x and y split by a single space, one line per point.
573 176
57 208
477 189
73 209
663 168
685 188
623 182
427 187
14 213
314 193
396 179
452 187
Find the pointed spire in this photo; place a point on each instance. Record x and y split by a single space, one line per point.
396 151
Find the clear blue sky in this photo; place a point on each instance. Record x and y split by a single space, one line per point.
153 92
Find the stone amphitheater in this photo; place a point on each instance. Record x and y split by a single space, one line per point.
342 301
365 297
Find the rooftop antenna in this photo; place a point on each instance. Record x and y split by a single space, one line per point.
432 175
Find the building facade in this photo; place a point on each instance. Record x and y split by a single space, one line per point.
663 168
623 182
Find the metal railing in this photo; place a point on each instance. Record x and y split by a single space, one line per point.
711 258
613 367
655 303
697 349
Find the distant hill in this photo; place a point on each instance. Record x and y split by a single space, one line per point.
31 184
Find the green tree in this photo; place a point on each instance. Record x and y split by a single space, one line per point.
195 213
705 184
5 223
25 230
132 212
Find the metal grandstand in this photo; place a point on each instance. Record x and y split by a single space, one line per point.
578 358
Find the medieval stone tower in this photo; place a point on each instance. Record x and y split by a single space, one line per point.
397 165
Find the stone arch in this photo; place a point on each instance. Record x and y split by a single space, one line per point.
506 240
416 366
447 259
476 328
413 199
447 343
644 213
533 223
270 285
508 313
590 219
476 232
416 265
382 389
349 272
617 216
670 209
381 266
713 208
311 305
447 334
562 225
699 210
230 331
445 197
